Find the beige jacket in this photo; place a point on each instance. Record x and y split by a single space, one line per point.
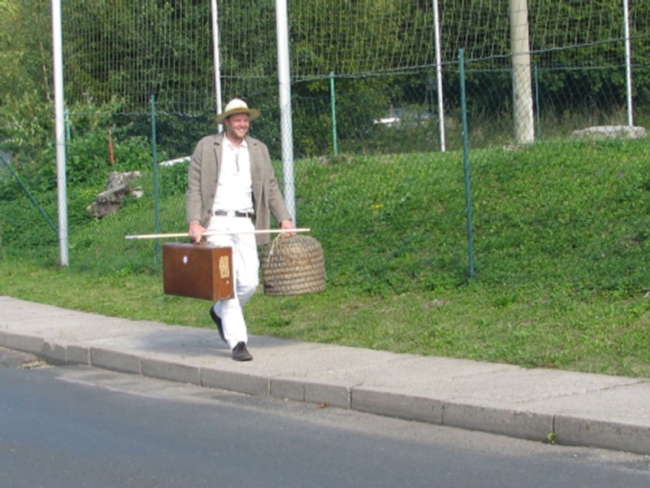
203 175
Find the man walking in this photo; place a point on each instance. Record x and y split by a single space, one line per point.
232 189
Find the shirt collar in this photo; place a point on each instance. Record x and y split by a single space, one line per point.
227 142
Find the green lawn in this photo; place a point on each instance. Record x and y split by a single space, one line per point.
560 244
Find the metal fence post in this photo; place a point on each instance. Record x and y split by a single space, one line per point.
468 193
155 176
537 115
59 115
333 102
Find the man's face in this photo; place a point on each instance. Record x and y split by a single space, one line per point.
237 125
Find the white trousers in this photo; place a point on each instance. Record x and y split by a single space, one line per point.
245 264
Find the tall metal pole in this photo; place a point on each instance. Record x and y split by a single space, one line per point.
441 95
216 56
286 126
59 128
521 76
628 62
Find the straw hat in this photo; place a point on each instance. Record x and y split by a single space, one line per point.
237 106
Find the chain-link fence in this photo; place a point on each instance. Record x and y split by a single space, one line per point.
370 177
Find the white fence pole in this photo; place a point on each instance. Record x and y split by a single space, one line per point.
628 62
216 55
286 125
59 117
441 95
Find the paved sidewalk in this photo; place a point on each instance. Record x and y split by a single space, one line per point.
578 409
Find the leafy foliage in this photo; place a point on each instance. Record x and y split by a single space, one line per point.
139 48
25 49
95 134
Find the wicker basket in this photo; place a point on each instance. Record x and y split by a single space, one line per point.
293 266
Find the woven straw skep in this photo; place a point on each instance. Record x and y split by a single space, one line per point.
293 266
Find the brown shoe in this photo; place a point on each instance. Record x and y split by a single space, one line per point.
240 353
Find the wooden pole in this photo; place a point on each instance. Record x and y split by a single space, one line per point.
185 234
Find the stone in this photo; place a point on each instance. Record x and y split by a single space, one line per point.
117 188
610 132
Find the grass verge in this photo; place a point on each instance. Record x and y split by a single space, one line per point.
528 326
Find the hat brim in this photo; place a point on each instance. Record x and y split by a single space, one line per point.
253 114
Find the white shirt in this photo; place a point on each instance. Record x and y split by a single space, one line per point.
234 191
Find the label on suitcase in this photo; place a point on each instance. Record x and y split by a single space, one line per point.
197 271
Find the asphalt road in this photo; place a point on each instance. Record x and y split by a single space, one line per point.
84 427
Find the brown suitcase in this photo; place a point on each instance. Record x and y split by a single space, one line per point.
197 271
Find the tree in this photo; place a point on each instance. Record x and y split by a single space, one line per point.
25 48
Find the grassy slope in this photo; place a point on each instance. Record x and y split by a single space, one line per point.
560 240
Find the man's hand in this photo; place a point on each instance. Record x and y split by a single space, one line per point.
288 224
195 232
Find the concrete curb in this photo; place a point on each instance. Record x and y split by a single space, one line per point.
533 422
